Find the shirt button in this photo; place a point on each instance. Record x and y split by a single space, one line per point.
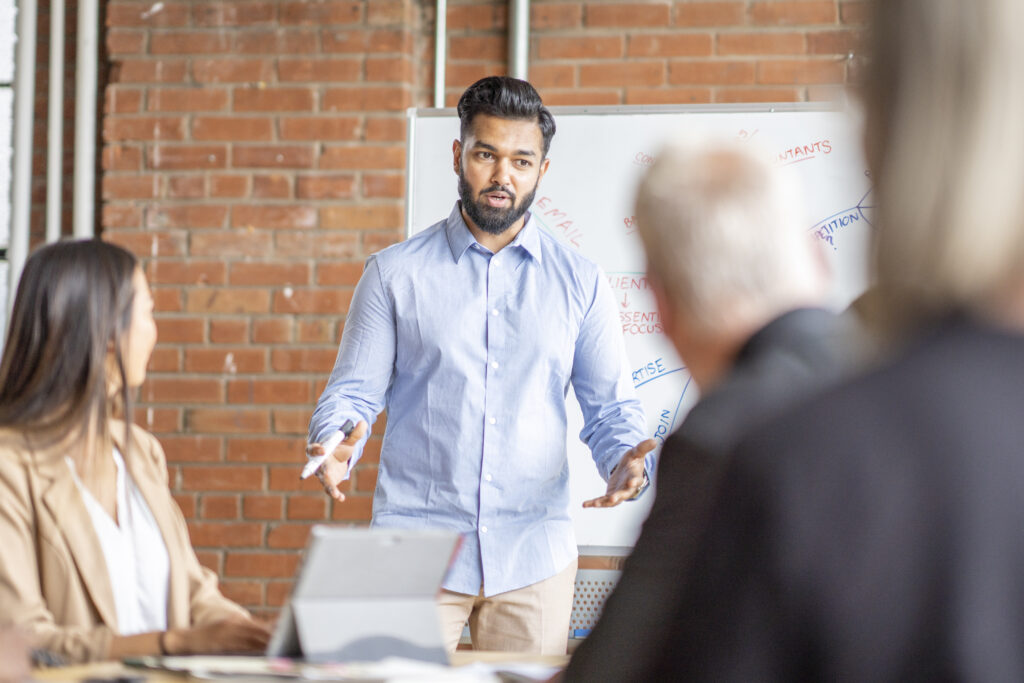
494 311
483 530
487 477
494 364
491 420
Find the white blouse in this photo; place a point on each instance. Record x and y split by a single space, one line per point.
136 556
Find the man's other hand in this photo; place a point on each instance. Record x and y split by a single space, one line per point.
335 468
627 479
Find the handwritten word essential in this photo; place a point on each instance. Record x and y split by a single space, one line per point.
637 323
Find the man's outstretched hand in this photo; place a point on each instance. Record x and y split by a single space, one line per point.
627 479
333 470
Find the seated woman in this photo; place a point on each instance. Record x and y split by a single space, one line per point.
96 561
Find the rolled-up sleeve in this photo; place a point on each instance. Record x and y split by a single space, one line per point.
366 358
613 417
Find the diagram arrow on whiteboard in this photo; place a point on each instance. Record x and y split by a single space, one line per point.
625 301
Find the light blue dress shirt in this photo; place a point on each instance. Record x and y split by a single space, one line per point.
472 354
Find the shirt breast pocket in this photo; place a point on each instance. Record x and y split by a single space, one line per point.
546 336
435 326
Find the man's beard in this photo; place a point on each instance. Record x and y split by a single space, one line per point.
493 219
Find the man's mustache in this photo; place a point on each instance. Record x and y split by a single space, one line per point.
499 188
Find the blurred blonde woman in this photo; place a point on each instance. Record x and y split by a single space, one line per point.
96 561
877 532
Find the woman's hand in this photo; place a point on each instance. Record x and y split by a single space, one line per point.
219 637
14 666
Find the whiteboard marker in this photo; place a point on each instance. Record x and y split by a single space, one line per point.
315 462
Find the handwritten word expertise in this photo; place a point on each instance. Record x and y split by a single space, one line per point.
649 371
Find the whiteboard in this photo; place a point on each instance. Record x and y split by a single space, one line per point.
597 157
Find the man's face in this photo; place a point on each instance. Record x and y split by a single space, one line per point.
499 165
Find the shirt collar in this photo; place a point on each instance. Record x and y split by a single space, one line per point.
460 238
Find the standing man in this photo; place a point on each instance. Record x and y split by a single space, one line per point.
469 334
739 287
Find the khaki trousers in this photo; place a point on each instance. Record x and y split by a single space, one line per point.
532 619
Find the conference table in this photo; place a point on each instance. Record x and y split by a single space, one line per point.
466 665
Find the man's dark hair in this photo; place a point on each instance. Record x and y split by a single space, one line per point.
506 98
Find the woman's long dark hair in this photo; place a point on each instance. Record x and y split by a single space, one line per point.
72 308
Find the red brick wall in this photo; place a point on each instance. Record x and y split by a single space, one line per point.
649 52
254 156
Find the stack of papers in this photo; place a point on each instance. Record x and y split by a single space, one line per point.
391 670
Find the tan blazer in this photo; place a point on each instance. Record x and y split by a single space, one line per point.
53 576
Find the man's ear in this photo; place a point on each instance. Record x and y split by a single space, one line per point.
457 156
544 167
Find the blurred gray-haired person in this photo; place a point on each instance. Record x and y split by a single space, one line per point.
739 284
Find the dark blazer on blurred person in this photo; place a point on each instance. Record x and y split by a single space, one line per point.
794 355
875 533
